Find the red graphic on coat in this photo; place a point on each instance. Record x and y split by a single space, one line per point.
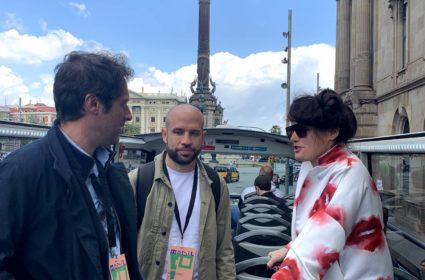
324 199
385 278
321 218
325 258
373 185
350 161
338 214
338 153
367 235
303 192
288 270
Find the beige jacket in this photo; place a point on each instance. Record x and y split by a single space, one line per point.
216 259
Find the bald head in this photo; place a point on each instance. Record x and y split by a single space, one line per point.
183 136
267 171
184 109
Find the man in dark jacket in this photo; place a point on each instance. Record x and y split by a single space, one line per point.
263 188
65 211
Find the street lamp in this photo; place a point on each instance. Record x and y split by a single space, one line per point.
287 61
287 85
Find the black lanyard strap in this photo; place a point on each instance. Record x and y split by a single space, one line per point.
100 186
191 203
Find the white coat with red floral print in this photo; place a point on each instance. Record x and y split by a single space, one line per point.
337 229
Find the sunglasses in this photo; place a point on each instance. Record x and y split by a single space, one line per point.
300 129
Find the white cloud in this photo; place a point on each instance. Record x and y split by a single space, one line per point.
28 49
13 22
249 88
47 80
12 87
81 8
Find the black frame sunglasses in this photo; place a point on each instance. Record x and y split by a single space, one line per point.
300 129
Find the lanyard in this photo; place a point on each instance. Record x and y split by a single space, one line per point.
101 188
191 203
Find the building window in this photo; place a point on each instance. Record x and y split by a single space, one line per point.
136 110
152 119
163 119
137 119
401 122
152 129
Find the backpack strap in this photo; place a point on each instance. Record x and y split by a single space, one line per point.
215 185
143 188
144 184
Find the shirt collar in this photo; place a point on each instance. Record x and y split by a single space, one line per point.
102 153
336 153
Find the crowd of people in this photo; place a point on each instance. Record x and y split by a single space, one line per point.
67 211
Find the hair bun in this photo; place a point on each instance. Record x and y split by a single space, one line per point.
324 111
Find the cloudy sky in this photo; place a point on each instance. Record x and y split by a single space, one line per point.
160 39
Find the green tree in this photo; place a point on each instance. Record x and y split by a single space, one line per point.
276 129
131 129
33 119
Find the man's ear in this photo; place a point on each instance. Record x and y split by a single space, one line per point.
92 104
164 135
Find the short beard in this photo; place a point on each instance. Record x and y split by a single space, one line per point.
179 160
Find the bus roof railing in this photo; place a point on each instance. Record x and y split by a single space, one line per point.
393 144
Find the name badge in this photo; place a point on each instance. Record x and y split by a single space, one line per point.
181 261
118 268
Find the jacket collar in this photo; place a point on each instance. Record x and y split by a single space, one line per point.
82 211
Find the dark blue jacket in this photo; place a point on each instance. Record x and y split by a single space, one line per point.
49 227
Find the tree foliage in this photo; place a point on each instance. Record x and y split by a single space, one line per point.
131 129
276 129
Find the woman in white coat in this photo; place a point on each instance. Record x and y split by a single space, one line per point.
337 228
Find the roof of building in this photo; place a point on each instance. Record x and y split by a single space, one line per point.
159 95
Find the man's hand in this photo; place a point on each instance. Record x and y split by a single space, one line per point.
276 256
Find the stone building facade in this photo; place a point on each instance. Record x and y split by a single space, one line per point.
4 113
380 64
149 110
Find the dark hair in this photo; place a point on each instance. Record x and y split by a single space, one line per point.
263 183
81 73
324 111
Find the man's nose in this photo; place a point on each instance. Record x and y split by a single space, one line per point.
128 116
186 139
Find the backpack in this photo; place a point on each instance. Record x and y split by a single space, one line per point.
144 186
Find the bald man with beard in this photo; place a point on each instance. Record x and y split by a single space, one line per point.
180 214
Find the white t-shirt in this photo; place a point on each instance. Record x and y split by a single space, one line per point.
182 183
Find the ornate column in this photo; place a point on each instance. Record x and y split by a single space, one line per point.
361 95
342 52
203 96
363 44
